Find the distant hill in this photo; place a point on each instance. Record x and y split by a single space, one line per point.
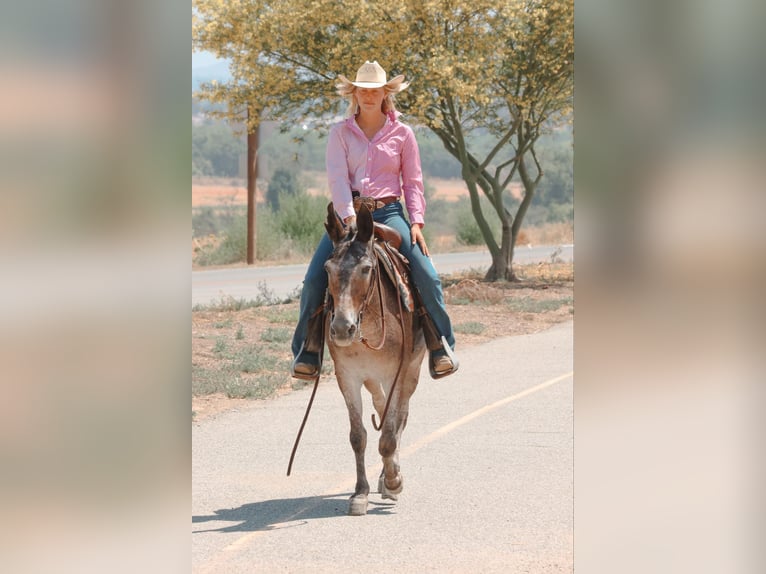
206 68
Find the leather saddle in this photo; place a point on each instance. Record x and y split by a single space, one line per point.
387 235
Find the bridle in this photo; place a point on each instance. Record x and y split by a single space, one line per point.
375 280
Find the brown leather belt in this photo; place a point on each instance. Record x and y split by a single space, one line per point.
372 203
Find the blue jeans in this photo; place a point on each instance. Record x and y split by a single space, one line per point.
422 270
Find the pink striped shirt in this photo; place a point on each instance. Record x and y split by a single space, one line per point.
388 165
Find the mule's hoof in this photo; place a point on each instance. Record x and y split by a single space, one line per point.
357 505
390 494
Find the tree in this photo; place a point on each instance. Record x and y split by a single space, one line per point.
556 191
498 67
253 135
282 183
215 151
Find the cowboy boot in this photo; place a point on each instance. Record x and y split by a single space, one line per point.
308 364
441 359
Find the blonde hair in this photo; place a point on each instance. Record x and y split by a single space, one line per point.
347 90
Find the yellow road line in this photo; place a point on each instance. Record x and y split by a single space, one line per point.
477 413
374 470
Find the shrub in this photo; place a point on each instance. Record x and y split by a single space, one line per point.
560 212
208 220
467 230
233 247
283 183
301 218
203 221
272 241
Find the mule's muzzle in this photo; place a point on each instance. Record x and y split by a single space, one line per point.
343 331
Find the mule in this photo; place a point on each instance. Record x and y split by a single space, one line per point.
375 343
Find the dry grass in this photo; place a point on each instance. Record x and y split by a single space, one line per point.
473 291
547 234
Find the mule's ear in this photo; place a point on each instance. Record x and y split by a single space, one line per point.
334 225
364 224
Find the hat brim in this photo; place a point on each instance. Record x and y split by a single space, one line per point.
396 83
368 84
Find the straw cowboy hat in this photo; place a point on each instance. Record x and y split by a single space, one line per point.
372 75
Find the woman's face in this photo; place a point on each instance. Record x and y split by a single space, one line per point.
370 99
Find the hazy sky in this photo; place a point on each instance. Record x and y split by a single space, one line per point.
200 59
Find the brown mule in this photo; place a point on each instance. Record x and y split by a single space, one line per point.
375 343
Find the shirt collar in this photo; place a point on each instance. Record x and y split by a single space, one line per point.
391 117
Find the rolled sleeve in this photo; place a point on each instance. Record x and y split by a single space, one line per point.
337 173
412 179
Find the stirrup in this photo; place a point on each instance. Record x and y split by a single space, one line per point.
305 376
455 363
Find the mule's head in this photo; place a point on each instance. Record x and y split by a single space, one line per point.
350 274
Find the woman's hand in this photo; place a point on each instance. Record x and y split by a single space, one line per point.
416 231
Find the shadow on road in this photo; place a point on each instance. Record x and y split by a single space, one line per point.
285 513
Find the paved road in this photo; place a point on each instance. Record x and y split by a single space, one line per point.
487 459
248 282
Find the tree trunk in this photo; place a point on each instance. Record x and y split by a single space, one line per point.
501 269
530 185
252 176
502 263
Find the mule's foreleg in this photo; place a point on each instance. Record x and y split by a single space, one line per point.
388 444
358 439
391 483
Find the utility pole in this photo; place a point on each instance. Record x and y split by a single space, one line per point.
252 176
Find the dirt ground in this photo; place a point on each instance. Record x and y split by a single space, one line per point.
479 312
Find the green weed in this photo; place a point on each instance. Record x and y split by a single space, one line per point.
286 316
529 305
276 335
254 361
260 387
209 381
220 346
470 328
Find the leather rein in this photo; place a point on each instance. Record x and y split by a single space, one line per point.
383 337
377 280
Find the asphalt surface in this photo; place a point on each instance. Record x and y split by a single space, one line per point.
251 282
487 459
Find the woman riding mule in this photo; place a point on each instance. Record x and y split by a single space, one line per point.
374 158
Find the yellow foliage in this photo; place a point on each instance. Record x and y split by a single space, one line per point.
477 54
505 66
